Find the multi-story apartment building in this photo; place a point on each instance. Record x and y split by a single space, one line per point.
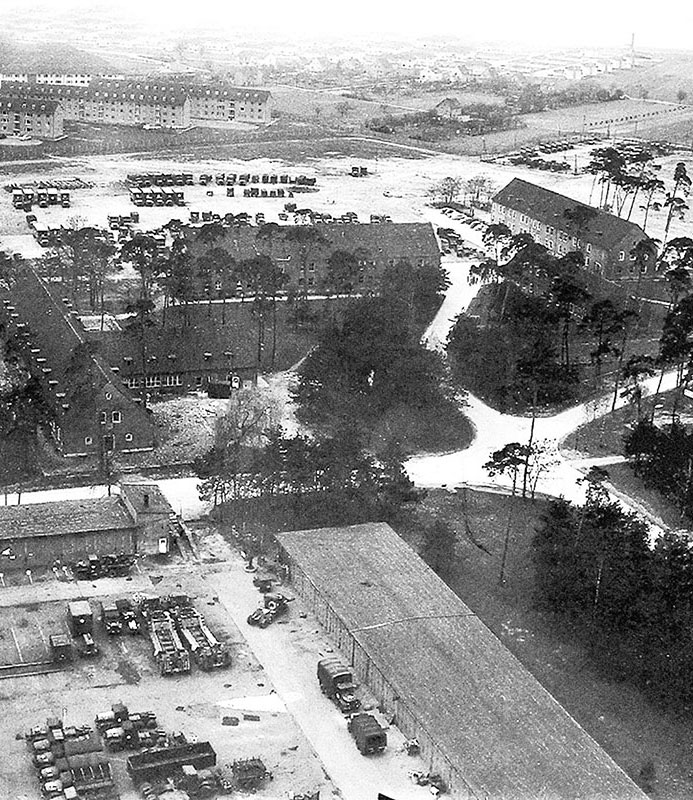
119 101
40 118
113 102
229 103
605 240
53 78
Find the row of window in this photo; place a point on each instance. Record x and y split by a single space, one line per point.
116 417
155 381
88 440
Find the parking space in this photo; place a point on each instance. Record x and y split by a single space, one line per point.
236 709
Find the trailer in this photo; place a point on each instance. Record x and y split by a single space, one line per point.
137 195
207 651
169 653
161 762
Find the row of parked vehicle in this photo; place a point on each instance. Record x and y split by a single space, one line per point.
242 179
534 162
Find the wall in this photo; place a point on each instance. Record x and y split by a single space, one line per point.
43 551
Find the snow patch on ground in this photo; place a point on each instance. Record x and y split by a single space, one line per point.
269 703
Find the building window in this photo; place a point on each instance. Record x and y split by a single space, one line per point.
88 440
109 396
589 248
128 437
103 417
116 417
621 255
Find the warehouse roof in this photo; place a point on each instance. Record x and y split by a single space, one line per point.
63 517
603 230
505 735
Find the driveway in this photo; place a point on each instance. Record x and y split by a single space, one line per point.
288 652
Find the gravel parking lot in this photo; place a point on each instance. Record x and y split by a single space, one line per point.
125 671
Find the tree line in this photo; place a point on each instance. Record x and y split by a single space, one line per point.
631 602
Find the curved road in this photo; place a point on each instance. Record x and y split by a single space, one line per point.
492 429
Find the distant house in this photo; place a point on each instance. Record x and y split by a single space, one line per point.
138 521
605 240
449 108
92 411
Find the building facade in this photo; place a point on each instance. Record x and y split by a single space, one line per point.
605 240
112 102
92 411
304 258
120 101
137 521
42 119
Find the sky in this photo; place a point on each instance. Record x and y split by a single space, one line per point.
547 23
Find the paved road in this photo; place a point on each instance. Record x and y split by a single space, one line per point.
289 653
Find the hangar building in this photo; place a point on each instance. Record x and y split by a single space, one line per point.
484 722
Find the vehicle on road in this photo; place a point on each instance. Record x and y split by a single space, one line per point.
369 735
337 682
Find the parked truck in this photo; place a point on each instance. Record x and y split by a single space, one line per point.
79 617
337 682
169 653
368 734
110 616
207 651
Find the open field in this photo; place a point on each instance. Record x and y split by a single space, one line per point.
396 185
629 727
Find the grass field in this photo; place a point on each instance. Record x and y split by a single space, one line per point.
630 728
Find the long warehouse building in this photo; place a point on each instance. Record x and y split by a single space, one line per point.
485 724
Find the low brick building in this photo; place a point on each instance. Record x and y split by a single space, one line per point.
138 521
304 258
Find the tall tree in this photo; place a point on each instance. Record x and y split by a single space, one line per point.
675 199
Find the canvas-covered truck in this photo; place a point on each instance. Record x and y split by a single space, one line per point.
337 682
368 734
110 616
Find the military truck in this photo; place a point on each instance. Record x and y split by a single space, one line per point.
110 616
337 682
368 734
79 617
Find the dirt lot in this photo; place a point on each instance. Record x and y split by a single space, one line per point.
194 704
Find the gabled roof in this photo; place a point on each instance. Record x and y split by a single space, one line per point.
54 334
380 241
100 89
63 517
204 339
504 734
548 207
27 104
